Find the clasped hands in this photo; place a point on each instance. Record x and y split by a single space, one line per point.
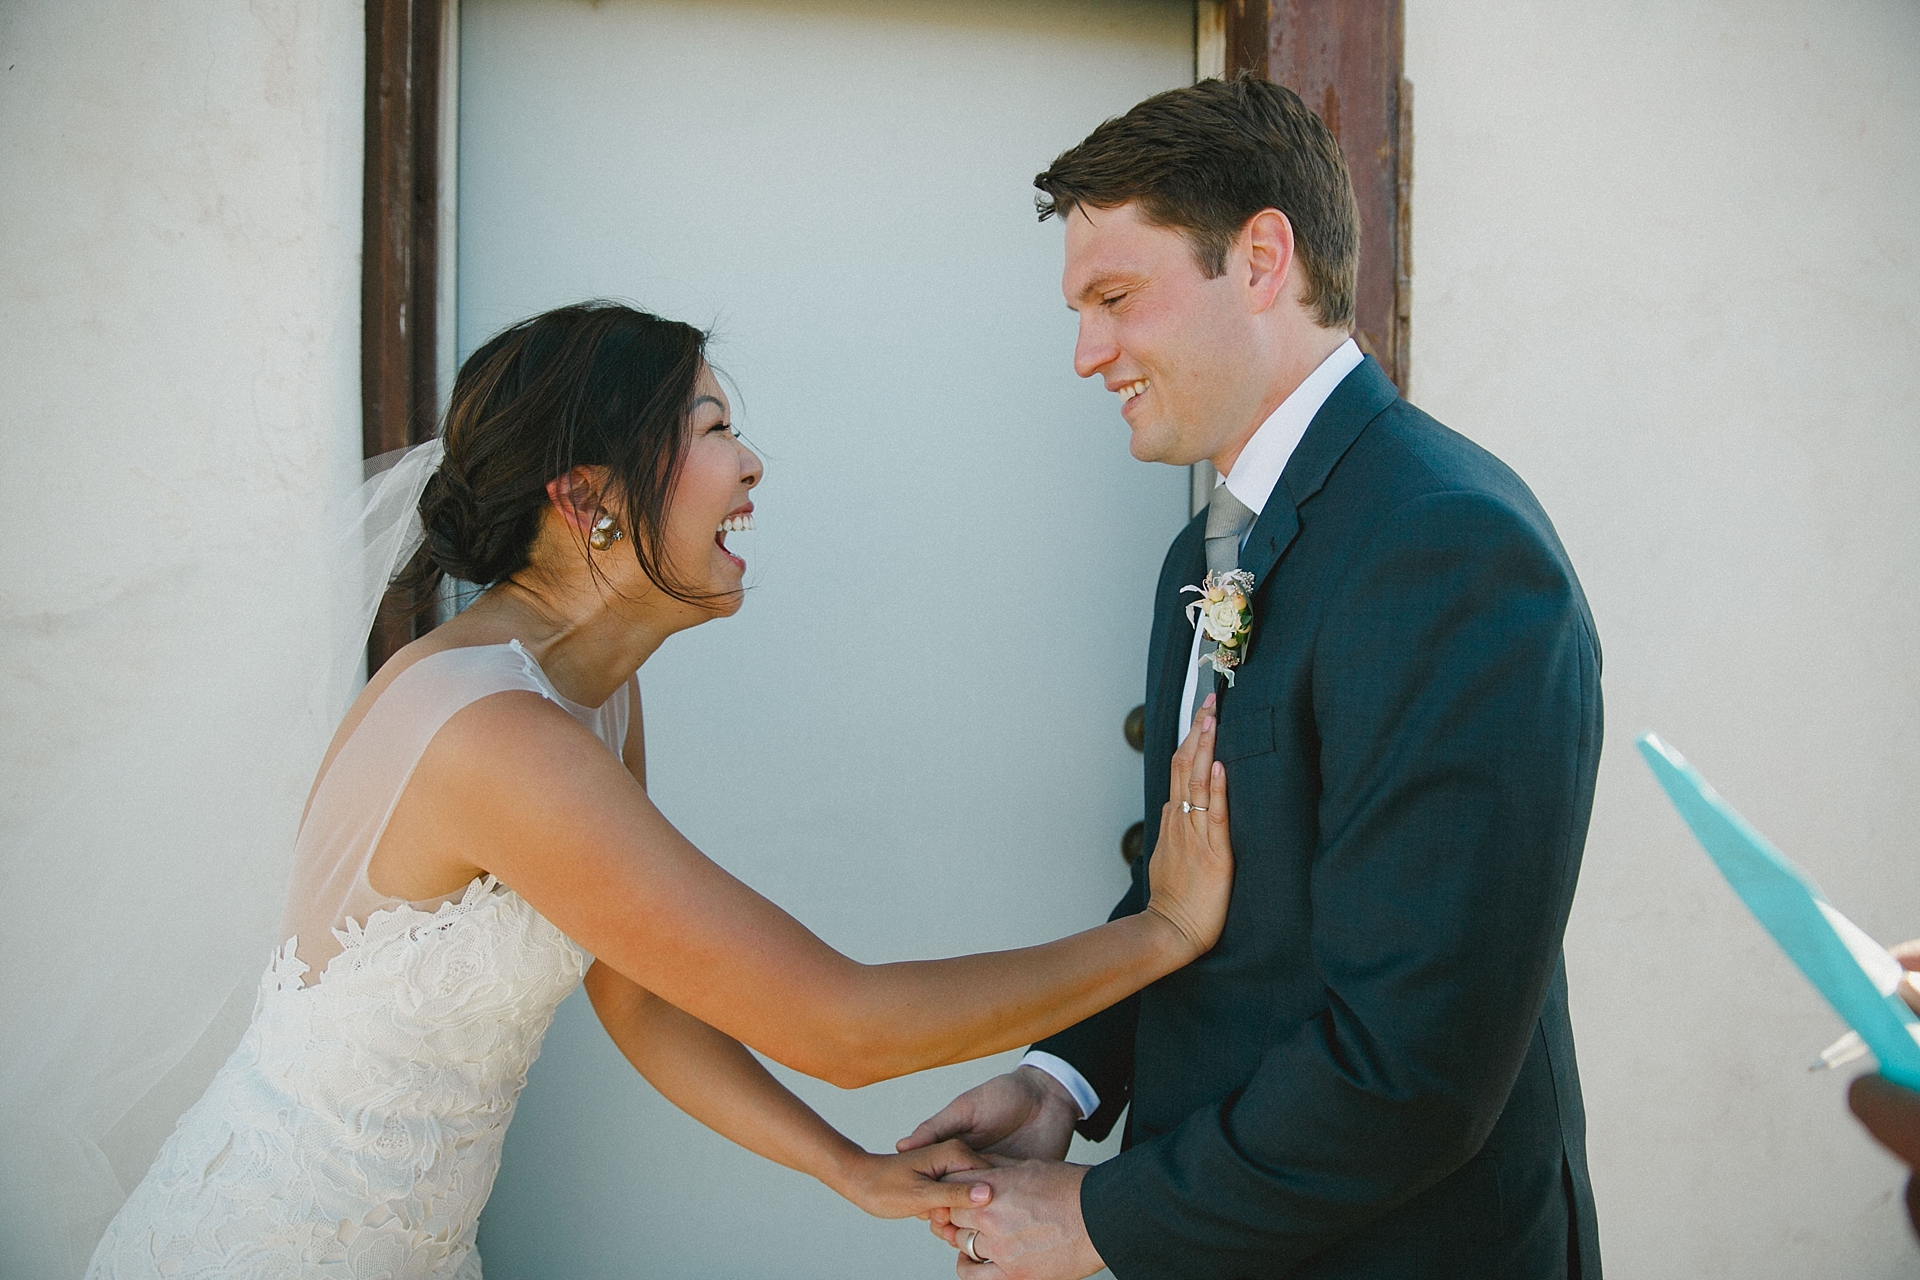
988 1174
1021 1124
1028 1226
1007 1140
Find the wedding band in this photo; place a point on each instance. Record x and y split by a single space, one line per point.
1192 808
969 1250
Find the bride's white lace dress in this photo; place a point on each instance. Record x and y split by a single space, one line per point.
356 1130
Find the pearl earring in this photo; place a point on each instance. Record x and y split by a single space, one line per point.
604 533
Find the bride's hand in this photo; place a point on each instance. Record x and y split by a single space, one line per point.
908 1185
1191 870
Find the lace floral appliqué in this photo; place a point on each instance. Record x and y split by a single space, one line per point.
356 1130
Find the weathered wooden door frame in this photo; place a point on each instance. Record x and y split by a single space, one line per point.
1344 57
1347 59
407 274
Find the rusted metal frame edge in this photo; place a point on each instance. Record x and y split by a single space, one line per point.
1398 119
400 256
423 219
1210 62
1403 243
1251 38
382 253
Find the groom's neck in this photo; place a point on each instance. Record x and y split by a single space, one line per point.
1292 355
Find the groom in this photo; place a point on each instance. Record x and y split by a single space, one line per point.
1372 1074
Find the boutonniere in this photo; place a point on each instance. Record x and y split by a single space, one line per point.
1226 614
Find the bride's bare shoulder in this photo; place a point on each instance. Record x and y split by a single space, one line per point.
510 777
462 633
506 764
440 640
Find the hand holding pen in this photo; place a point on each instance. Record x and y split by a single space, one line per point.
1890 1113
1850 1046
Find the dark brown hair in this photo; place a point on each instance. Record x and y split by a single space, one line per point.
1204 159
593 384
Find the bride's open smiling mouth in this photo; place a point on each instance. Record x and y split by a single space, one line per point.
740 521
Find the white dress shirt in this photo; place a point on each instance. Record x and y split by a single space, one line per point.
1255 473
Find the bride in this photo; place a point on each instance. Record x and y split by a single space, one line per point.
480 824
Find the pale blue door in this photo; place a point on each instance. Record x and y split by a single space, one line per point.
911 735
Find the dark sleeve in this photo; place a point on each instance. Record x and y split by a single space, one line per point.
1456 703
1101 1047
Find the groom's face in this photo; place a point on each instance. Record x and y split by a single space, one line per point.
1161 335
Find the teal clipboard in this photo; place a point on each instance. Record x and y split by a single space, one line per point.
1835 955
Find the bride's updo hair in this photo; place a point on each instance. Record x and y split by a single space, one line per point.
593 384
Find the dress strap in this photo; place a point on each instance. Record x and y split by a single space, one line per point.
363 783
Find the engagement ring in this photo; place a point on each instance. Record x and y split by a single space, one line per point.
1192 808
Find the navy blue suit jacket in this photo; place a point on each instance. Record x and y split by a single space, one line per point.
1372 1074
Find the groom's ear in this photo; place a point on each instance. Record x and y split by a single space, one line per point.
1266 252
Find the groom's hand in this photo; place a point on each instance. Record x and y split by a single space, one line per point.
1023 1115
1032 1230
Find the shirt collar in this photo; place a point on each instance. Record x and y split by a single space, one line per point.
1257 470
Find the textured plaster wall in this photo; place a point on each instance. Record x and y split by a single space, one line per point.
179 278
1665 266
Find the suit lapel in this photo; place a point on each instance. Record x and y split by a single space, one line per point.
1358 400
1272 534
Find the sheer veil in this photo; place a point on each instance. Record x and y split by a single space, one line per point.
140 985
374 535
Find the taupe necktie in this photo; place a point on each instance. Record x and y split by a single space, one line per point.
1228 520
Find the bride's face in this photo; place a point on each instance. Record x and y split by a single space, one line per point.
710 494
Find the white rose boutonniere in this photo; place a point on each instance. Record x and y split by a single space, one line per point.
1226 616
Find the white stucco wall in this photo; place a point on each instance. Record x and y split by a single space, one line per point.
1666 267
179 356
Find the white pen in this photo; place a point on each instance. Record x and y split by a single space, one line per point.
1838 1054
1850 1047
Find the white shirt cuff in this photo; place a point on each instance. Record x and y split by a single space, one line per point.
1072 1081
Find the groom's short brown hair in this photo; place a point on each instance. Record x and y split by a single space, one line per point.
1206 158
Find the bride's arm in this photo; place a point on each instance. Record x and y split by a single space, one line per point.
517 788
718 1082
